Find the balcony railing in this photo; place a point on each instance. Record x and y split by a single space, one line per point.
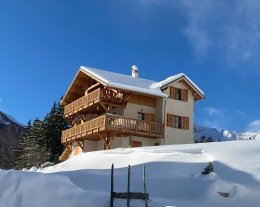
90 99
113 123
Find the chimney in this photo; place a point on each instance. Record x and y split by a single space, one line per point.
134 71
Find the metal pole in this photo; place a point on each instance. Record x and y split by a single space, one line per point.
112 187
128 187
146 204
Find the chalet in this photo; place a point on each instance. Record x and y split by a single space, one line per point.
110 110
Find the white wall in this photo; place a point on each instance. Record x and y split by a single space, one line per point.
180 108
90 145
131 110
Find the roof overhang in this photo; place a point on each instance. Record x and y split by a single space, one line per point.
197 92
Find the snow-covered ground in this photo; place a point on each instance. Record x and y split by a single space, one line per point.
173 177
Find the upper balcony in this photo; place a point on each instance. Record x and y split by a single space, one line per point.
113 124
101 96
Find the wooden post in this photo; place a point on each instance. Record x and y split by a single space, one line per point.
112 187
128 187
146 204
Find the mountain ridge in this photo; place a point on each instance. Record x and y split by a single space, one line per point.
204 134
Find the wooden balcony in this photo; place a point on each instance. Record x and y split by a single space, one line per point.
100 95
112 124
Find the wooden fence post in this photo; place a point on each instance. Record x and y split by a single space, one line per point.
128 187
112 187
146 204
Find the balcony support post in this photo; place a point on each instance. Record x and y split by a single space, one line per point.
81 145
107 140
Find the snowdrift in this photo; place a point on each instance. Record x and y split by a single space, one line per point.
173 177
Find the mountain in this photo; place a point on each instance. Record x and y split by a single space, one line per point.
10 134
207 134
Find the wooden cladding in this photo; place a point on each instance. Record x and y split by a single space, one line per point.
142 100
179 122
179 94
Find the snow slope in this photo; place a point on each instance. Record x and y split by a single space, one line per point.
173 177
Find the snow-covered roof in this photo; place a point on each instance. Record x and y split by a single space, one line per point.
174 78
122 81
130 83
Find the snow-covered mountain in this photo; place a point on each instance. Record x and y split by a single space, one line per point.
212 134
8 119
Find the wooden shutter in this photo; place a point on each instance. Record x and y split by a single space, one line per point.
169 120
136 144
185 123
149 117
171 92
185 95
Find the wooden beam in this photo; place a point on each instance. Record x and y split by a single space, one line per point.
104 106
81 146
93 86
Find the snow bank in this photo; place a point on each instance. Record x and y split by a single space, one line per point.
173 177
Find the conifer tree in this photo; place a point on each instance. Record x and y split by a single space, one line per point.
54 123
21 150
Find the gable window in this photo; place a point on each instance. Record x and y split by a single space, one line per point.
178 94
179 122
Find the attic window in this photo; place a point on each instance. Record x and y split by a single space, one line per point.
179 94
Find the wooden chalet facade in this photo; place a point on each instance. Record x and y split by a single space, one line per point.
109 110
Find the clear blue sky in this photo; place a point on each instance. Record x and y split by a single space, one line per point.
215 43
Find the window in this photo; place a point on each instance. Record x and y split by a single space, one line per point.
140 116
179 122
179 94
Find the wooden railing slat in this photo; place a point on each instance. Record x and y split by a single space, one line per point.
114 121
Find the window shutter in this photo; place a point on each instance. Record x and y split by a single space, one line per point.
171 92
185 95
186 123
136 144
169 120
149 117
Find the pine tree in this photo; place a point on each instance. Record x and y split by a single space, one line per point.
21 151
41 141
208 169
54 123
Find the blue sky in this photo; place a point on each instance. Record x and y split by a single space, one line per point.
215 43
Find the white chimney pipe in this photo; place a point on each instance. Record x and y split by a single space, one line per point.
134 71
